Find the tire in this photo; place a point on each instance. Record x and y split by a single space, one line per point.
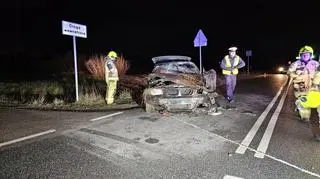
137 97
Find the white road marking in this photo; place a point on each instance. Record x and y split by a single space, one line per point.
253 150
249 137
27 137
264 143
103 117
231 177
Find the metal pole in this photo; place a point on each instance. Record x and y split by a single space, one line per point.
17 31
200 60
248 66
75 66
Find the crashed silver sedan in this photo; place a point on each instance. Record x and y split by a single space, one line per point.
175 84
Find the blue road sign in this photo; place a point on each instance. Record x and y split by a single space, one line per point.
200 39
248 53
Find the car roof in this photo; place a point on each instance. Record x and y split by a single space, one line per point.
170 58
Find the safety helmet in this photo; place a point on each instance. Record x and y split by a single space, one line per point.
112 54
305 49
312 100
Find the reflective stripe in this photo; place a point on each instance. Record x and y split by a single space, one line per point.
228 64
112 78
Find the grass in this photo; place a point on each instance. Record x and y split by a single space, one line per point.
61 92
48 93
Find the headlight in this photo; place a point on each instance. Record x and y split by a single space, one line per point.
154 92
280 69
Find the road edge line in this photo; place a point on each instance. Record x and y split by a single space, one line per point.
252 149
253 131
265 141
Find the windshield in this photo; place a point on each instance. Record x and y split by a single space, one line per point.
176 67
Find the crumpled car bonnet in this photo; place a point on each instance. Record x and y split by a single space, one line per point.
192 80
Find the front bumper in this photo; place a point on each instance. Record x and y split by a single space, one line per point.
181 103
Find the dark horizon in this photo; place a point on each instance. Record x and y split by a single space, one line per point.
140 30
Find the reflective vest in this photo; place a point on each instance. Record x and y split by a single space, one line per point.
111 72
316 79
228 64
312 100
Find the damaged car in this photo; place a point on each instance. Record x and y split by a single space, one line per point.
176 84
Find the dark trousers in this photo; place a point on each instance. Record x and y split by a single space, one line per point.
314 121
231 82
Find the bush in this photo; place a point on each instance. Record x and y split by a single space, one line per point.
95 66
122 66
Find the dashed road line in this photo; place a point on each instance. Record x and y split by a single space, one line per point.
231 177
103 117
27 137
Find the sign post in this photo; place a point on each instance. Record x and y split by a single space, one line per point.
75 30
200 41
248 54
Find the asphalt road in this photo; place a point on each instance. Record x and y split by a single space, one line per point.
259 136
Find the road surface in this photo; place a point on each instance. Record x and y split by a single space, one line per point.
259 136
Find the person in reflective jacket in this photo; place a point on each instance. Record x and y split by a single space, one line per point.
302 73
111 76
311 100
230 66
302 70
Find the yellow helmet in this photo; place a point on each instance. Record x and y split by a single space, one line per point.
112 54
312 100
306 49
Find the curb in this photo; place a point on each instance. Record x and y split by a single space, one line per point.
70 109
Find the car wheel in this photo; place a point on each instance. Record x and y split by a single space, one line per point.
137 96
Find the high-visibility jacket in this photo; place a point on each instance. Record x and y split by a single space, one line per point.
227 59
111 71
312 99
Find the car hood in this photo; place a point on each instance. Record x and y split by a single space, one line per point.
186 79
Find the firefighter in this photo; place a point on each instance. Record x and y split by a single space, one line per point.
302 72
111 76
312 100
230 65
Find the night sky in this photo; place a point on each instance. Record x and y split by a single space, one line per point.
141 29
